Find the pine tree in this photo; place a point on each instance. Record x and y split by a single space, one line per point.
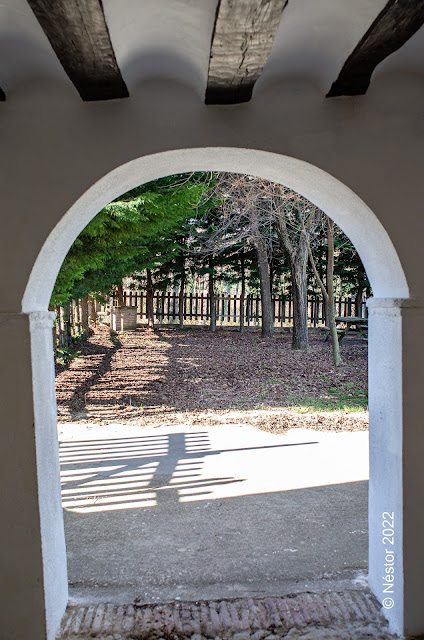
128 235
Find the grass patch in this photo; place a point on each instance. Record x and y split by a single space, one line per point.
348 402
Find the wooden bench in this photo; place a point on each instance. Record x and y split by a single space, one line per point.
340 333
352 325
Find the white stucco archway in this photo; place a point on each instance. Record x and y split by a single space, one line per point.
334 198
389 285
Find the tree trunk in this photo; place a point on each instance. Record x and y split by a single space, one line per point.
212 304
263 268
56 328
330 290
61 326
358 301
120 295
266 300
84 315
75 317
67 330
92 313
242 292
149 300
297 258
271 277
328 293
300 302
181 299
161 312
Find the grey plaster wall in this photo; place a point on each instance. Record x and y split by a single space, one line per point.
22 580
55 148
49 137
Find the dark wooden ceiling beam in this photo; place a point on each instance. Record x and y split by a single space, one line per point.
79 35
394 25
242 39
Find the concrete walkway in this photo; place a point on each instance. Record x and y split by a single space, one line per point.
205 513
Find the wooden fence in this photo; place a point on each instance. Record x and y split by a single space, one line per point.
197 309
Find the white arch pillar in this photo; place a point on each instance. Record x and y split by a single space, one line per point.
55 576
396 489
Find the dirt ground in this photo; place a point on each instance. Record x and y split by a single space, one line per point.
173 376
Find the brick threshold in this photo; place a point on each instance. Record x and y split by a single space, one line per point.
245 618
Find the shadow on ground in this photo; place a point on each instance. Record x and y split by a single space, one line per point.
160 516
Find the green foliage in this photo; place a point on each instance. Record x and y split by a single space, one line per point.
134 232
63 355
162 226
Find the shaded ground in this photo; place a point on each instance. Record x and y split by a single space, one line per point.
172 376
